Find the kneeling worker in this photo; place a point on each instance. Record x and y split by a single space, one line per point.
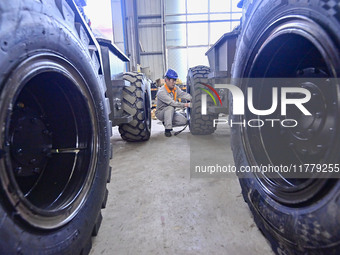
167 97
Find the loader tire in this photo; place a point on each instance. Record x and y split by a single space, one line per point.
55 135
291 39
199 124
137 103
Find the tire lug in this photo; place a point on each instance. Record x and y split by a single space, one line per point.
310 131
319 146
304 151
291 145
331 130
36 170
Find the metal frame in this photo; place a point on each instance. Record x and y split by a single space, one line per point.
186 22
114 88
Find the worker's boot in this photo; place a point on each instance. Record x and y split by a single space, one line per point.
167 132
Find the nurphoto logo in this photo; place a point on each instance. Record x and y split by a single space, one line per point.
239 100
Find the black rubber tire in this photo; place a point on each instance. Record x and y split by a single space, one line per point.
136 102
50 75
199 124
312 226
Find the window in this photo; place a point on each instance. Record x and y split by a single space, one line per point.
178 60
220 6
174 6
198 34
197 6
195 56
176 35
193 26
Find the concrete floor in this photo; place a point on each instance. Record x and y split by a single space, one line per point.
156 207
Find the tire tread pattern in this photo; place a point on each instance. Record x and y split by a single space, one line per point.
133 103
199 124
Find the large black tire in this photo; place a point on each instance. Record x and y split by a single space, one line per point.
55 135
137 103
281 39
199 124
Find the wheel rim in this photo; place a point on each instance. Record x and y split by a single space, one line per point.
50 141
189 108
147 110
291 49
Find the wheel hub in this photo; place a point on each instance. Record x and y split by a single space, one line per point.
31 142
310 136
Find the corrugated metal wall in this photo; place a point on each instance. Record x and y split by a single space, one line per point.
150 36
174 33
